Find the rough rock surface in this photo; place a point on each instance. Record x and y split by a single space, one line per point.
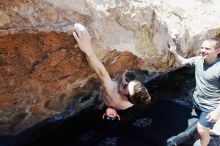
42 72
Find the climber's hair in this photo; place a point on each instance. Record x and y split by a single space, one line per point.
138 94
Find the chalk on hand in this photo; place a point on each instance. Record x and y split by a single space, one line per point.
79 26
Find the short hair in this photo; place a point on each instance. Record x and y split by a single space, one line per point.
140 94
216 41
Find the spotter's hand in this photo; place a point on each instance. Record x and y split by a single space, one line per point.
213 116
172 48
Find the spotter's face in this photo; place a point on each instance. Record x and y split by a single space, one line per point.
111 112
208 51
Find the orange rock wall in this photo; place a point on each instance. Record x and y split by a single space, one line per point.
41 73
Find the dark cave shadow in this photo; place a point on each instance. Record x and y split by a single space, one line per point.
166 118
